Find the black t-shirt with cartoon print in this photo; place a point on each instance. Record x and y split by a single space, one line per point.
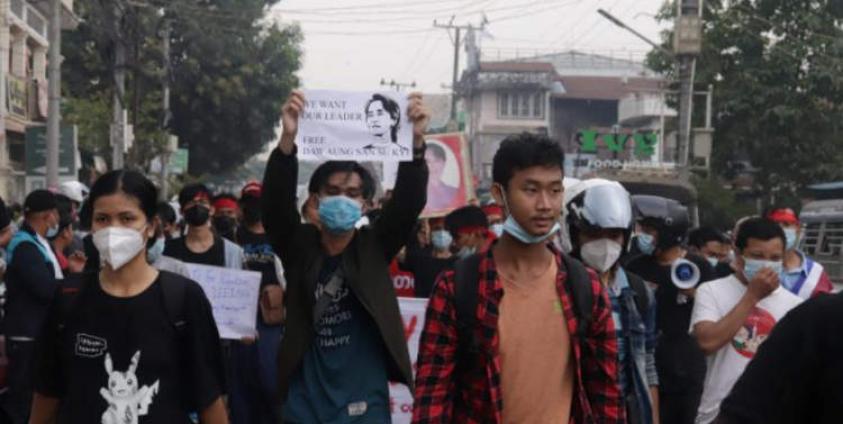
120 360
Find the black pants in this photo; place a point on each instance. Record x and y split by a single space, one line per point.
18 399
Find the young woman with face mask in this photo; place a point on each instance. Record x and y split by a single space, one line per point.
129 343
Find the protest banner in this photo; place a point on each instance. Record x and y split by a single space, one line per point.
359 126
450 184
234 298
400 398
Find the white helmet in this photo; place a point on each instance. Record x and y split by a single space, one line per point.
74 190
597 203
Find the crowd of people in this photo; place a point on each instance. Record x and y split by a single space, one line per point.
555 302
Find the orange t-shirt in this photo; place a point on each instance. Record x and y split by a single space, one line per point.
537 375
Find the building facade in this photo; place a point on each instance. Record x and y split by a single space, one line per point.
605 112
23 83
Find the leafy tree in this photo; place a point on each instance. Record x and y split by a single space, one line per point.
231 71
776 70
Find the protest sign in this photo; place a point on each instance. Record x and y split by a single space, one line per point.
234 298
450 184
400 398
359 126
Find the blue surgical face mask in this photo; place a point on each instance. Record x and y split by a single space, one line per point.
441 239
497 229
646 243
751 267
790 238
466 251
513 228
155 251
52 231
338 214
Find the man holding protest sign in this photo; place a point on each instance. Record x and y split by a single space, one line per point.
344 337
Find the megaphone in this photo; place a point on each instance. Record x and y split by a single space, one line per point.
684 274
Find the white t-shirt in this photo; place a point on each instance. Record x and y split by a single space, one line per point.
713 301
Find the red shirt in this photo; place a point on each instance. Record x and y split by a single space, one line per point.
597 396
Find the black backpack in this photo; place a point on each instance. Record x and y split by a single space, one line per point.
173 291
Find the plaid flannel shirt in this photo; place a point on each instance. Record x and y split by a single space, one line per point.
442 396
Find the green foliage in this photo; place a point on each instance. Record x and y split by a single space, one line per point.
230 74
776 69
718 206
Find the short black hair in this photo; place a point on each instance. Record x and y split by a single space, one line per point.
759 229
466 216
190 191
523 151
131 183
703 235
324 172
390 106
437 151
166 213
65 208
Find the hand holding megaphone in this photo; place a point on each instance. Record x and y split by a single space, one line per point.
684 274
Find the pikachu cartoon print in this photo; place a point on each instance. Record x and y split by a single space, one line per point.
127 401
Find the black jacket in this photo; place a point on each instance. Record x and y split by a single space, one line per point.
365 262
30 285
797 374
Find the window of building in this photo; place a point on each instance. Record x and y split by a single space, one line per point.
503 104
521 105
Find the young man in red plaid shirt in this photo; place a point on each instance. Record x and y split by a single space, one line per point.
532 359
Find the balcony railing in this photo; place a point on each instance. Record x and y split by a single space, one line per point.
29 16
643 106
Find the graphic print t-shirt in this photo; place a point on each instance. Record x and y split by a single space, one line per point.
342 378
259 255
714 301
118 360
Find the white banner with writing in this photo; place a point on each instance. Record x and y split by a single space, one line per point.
234 298
400 398
350 125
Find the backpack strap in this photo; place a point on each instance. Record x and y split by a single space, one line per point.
578 284
639 287
466 282
174 292
70 291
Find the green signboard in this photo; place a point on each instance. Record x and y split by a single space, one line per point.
36 151
179 161
645 143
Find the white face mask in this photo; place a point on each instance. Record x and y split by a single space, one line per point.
601 254
118 245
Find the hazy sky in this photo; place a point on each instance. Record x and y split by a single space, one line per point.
352 44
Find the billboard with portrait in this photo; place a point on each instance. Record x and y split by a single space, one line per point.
450 185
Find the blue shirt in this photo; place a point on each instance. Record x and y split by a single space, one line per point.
616 290
793 276
343 377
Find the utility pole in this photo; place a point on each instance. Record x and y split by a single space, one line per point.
5 183
118 124
455 81
687 47
165 122
54 95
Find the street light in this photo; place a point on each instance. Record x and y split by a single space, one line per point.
622 25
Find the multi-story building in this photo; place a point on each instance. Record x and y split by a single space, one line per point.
23 81
606 112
